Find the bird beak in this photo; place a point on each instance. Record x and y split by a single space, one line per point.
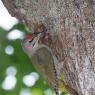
35 41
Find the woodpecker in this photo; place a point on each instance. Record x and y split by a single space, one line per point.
42 59
44 62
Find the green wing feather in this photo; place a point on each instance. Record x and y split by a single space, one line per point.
43 61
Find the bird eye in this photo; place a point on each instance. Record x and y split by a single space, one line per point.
30 40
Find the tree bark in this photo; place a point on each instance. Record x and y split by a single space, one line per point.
71 24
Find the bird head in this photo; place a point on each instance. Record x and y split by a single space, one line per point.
30 43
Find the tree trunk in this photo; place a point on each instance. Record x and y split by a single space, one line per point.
71 24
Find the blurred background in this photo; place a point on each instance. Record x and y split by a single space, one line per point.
17 74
